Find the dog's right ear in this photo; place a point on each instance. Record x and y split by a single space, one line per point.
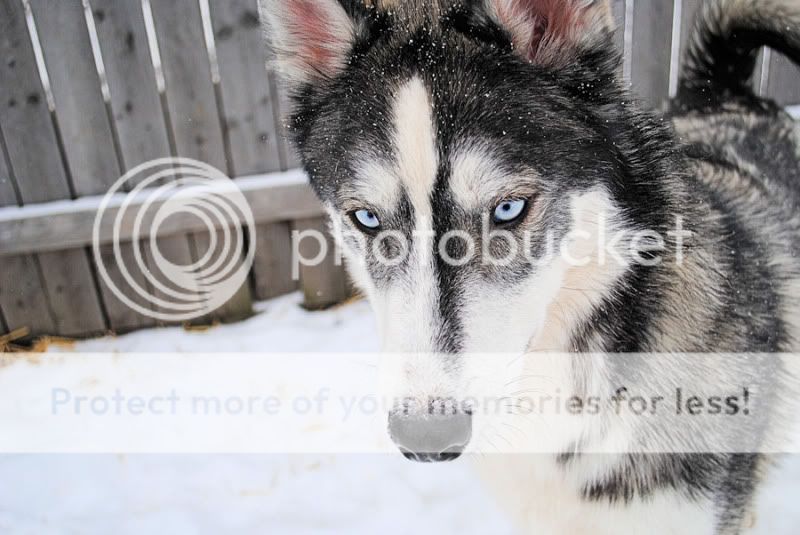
552 32
311 39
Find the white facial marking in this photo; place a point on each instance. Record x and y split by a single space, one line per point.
415 144
476 178
375 183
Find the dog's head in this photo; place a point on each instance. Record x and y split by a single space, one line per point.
467 152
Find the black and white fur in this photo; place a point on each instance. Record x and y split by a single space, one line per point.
429 112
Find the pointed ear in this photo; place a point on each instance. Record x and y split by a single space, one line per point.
553 32
311 39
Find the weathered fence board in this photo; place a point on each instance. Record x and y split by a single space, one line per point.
8 197
135 100
690 9
652 50
88 139
190 90
54 226
136 108
3 324
618 10
75 84
36 165
289 157
273 263
25 117
783 81
324 284
22 295
193 107
254 130
247 100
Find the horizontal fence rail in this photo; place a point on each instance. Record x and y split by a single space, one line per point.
54 226
91 89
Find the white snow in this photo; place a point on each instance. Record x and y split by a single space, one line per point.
276 493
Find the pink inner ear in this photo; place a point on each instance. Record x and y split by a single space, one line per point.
534 23
318 46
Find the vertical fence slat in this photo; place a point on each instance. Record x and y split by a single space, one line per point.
618 11
324 284
652 50
8 196
86 133
784 80
190 91
281 108
690 9
136 110
193 107
135 101
251 124
244 82
273 261
80 109
22 296
35 162
25 117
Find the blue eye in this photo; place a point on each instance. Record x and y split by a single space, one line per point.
367 219
508 211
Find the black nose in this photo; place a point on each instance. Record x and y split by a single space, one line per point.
430 437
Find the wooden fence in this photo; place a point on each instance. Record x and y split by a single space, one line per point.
92 88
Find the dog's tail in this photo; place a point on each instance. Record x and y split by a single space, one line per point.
724 47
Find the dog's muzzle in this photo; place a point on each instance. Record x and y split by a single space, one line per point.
430 437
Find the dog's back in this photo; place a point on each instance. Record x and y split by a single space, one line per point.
743 149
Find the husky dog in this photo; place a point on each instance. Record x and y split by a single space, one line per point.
440 134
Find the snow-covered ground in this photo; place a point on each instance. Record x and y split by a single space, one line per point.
277 493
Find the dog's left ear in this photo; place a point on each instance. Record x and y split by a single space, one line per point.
553 32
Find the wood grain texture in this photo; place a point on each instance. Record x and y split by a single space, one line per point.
137 114
282 108
323 284
40 176
24 116
245 85
8 195
290 159
67 224
88 138
690 9
135 101
618 11
77 309
190 90
783 83
75 84
272 268
251 125
22 295
193 109
652 50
